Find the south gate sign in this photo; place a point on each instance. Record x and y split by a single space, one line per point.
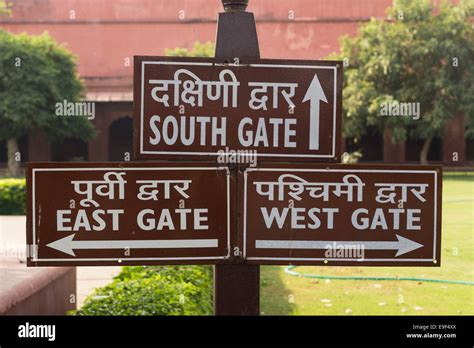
273 110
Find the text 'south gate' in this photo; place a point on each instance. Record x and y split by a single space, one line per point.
195 108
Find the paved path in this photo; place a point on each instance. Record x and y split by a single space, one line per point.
12 246
13 237
89 278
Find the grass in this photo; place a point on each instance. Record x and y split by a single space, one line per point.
284 294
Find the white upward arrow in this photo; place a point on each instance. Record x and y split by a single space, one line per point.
402 245
67 245
314 94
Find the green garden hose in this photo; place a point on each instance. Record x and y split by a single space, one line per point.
289 270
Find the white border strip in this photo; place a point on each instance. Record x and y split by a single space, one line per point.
119 260
331 259
434 172
142 89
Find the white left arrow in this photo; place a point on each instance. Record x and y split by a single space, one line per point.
315 95
67 245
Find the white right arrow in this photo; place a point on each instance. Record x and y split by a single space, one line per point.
402 245
314 94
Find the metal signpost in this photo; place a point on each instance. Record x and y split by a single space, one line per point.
237 285
257 200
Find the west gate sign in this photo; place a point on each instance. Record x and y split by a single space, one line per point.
342 215
126 213
274 110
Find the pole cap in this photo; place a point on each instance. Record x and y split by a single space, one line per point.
235 5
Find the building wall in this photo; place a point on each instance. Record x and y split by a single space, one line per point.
106 34
45 291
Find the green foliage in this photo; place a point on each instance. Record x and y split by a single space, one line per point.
410 57
154 290
5 8
35 74
352 157
199 50
12 197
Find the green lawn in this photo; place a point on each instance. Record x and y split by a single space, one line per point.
282 293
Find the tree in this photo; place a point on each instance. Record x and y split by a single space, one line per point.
35 74
422 53
5 8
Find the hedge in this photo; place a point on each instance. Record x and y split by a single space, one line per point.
12 197
154 290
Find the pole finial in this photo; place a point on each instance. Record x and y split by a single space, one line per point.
235 5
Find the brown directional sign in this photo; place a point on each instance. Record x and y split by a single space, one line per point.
337 214
273 110
128 213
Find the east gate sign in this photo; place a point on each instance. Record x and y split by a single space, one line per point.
342 215
128 213
273 110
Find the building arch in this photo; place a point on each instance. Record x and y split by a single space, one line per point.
120 139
